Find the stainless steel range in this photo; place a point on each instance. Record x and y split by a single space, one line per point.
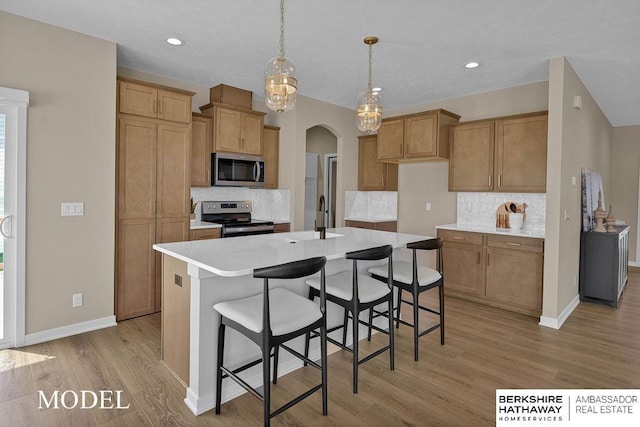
235 217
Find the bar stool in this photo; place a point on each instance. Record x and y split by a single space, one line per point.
357 292
286 315
416 279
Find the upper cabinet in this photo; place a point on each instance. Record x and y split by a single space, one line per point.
235 130
374 175
271 153
507 154
154 101
415 137
201 148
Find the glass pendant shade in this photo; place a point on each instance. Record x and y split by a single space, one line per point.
369 115
281 85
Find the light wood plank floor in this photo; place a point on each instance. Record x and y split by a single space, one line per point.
453 385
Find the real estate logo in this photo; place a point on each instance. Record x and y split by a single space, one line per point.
84 399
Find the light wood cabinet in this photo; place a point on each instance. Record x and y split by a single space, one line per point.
282 227
507 154
271 154
374 175
153 192
497 270
147 100
471 157
201 149
205 233
373 225
415 137
235 130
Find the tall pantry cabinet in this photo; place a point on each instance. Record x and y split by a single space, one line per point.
153 188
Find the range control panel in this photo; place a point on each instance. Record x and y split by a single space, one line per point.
214 207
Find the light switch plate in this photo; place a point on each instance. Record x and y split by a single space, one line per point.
72 209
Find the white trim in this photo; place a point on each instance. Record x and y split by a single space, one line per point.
556 323
327 182
69 330
19 100
634 263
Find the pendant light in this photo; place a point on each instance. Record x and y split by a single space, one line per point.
369 115
281 85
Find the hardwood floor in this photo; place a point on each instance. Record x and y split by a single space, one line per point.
453 385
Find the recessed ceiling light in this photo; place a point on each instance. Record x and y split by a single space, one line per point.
174 41
471 65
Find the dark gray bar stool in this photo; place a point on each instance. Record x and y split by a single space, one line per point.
416 279
287 316
356 293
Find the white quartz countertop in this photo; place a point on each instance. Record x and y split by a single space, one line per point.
493 230
239 256
195 224
367 219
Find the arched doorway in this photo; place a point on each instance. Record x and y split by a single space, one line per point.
320 175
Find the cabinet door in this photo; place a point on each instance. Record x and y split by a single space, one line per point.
271 154
471 157
174 177
136 168
521 154
138 99
205 233
420 136
371 172
201 148
391 140
174 106
226 130
252 126
463 268
514 277
136 269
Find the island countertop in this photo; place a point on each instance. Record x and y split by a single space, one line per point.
241 255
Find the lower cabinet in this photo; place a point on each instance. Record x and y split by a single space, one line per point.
497 270
373 225
284 227
205 233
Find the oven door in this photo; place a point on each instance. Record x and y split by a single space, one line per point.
239 170
245 230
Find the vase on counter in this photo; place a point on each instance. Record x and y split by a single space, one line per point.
600 214
516 220
610 221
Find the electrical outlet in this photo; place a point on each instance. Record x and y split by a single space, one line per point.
427 206
567 215
72 209
77 300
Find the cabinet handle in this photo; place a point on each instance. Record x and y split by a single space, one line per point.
499 180
458 237
382 179
488 259
478 262
155 106
401 150
208 175
513 244
160 106
489 181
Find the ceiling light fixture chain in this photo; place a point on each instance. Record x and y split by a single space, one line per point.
370 62
281 84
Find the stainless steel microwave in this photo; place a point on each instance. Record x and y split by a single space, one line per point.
239 170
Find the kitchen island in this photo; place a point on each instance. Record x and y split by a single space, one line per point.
198 274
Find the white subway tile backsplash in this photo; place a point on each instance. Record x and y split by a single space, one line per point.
267 204
479 209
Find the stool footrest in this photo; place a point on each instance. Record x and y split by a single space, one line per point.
242 383
374 354
294 401
301 356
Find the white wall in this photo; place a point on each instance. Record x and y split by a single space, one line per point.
71 79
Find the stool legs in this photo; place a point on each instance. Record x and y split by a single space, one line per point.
416 328
441 290
266 392
355 326
221 331
276 352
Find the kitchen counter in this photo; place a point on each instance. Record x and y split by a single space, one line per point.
369 219
221 270
493 230
197 225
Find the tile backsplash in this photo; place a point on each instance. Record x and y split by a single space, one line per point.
479 209
271 205
372 205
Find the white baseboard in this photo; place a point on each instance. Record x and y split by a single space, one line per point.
633 264
69 330
556 323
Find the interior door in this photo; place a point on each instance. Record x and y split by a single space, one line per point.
13 128
310 190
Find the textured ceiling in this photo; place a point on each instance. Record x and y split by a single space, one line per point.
419 59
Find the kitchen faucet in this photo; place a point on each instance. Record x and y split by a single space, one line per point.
322 229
